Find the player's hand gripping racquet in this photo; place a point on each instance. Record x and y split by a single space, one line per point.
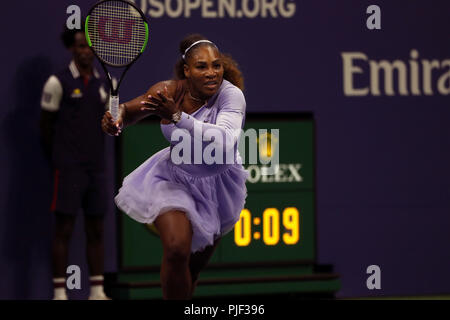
117 32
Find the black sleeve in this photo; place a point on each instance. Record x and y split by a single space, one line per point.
47 129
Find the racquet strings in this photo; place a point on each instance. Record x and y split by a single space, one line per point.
117 32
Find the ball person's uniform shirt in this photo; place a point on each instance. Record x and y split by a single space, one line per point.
78 146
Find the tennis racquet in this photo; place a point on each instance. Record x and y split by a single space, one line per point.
117 33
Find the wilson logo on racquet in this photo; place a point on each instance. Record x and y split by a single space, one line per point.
115 26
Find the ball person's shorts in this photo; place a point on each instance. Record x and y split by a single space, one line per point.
79 187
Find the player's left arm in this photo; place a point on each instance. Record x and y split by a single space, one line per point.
228 124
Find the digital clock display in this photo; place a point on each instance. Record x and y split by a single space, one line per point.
278 221
243 232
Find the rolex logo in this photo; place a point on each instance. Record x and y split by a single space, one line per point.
267 144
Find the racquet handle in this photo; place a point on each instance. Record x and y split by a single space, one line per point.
114 107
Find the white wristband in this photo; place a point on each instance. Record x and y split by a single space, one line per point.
176 116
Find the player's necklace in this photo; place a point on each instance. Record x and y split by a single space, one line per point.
195 99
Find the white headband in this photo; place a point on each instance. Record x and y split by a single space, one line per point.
195 43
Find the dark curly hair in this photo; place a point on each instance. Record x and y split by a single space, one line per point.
230 66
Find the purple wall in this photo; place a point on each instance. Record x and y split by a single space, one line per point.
383 171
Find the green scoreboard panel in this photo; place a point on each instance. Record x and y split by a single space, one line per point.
274 242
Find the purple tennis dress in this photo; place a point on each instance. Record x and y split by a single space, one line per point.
211 194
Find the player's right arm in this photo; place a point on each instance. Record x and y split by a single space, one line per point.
131 112
50 104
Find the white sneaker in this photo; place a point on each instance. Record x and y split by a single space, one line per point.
101 296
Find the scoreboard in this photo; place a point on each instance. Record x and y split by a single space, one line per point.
272 248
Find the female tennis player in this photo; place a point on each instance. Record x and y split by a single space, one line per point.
191 205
